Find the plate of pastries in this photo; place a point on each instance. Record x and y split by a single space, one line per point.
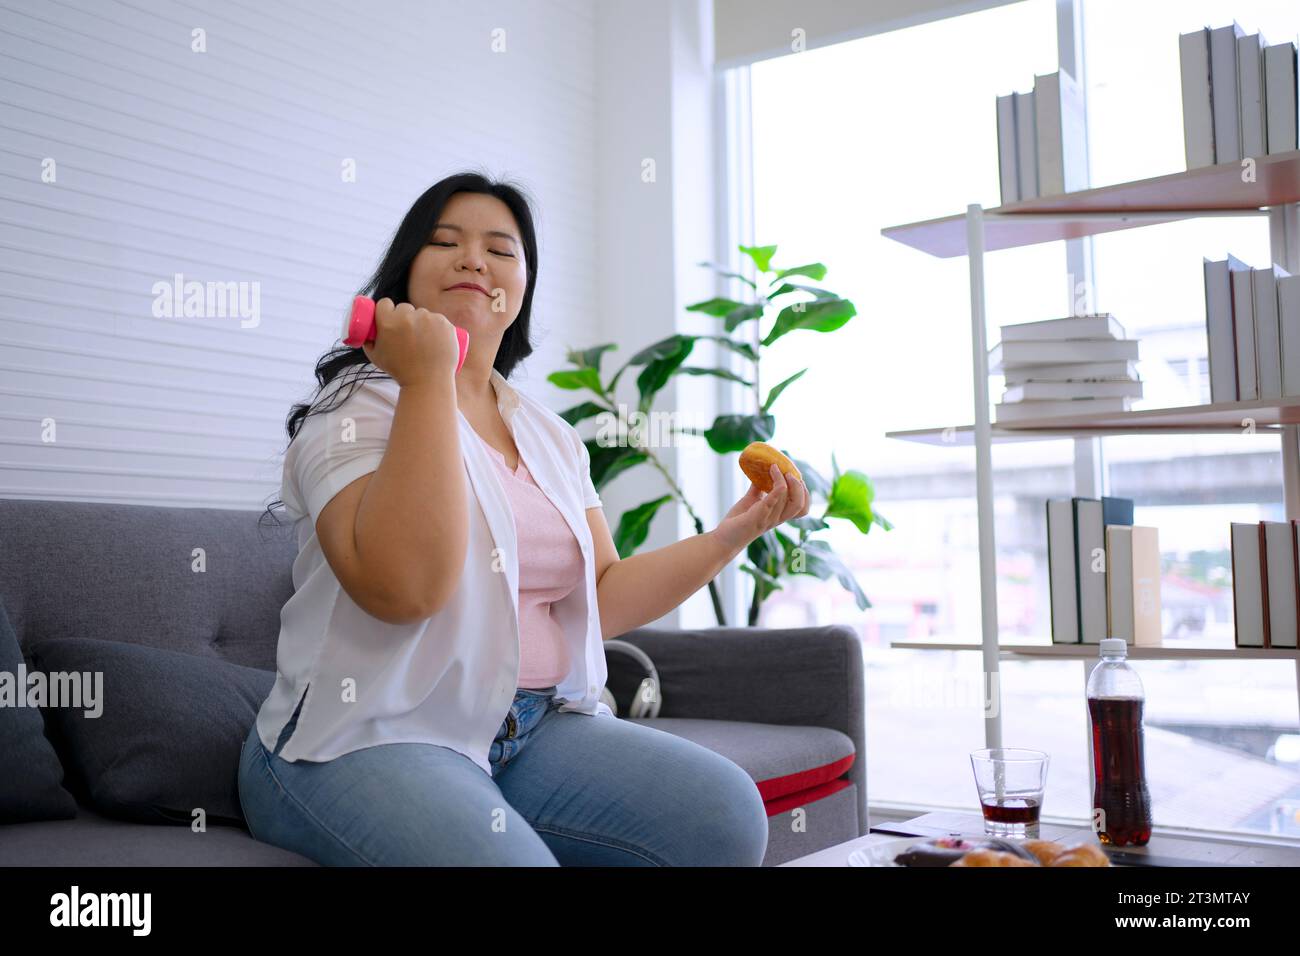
955 850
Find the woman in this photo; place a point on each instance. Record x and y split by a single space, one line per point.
440 662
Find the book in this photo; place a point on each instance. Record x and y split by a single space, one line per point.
1148 628
1250 95
1069 391
1268 335
1218 330
1280 97
1074 372
1223 93
1198 111
1026 146
1281 583
1033 410
1119 582
1091 518
1133 584
1008 173
1288 319
1098 326
1248 603
1061 571
1243 328
1009 355
1059 128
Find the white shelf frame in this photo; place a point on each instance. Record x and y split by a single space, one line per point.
1089 652
1284 249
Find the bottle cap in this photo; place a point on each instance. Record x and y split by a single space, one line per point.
1114 645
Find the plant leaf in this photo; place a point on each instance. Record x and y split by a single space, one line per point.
657 372
762 256
819 315
778 389
823 563
589 358
740 348
741 315
810 523
718 307
719 372
850 498
634 525
734 432
764 550
813 270
773 584
817 485
577 378
579 413
721 270
661 349
817 293
609 461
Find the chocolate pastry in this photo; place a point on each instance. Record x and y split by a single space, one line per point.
945 851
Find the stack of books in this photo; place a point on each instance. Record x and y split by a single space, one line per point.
1239 96
1103 573
1071 366
1042 149
1252 321
1265 588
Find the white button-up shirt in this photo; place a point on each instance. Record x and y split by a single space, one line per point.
448 679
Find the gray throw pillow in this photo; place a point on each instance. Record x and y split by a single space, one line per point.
169 733
31 777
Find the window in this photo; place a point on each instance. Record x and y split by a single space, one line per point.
1220 734
900 127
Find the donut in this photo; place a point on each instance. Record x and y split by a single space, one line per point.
756 462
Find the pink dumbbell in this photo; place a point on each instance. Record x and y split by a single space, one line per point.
361 328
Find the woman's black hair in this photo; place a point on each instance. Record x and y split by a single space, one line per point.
390 281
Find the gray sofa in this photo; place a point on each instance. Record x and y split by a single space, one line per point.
178 608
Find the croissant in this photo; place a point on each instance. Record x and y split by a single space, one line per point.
1045 850
1084 854
756 462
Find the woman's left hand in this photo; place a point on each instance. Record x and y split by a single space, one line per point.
757 512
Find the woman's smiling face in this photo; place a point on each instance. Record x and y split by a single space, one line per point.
475 241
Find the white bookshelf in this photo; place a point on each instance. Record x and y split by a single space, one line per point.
1089 652
1210 191
1265 417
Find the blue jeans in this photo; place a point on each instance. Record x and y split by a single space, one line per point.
566 789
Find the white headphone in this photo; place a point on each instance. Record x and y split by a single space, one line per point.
647 700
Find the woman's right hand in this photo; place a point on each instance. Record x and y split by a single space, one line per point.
412 344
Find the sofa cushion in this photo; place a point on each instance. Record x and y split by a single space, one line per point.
168 738
95 840
783 760
31 777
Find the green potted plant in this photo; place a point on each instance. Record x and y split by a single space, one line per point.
627 440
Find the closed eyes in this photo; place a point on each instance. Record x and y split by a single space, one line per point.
438 243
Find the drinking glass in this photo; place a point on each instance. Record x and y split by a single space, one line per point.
1010 783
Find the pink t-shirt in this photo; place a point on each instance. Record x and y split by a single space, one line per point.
550 567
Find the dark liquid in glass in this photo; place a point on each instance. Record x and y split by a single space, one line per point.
1013 810
1121 784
